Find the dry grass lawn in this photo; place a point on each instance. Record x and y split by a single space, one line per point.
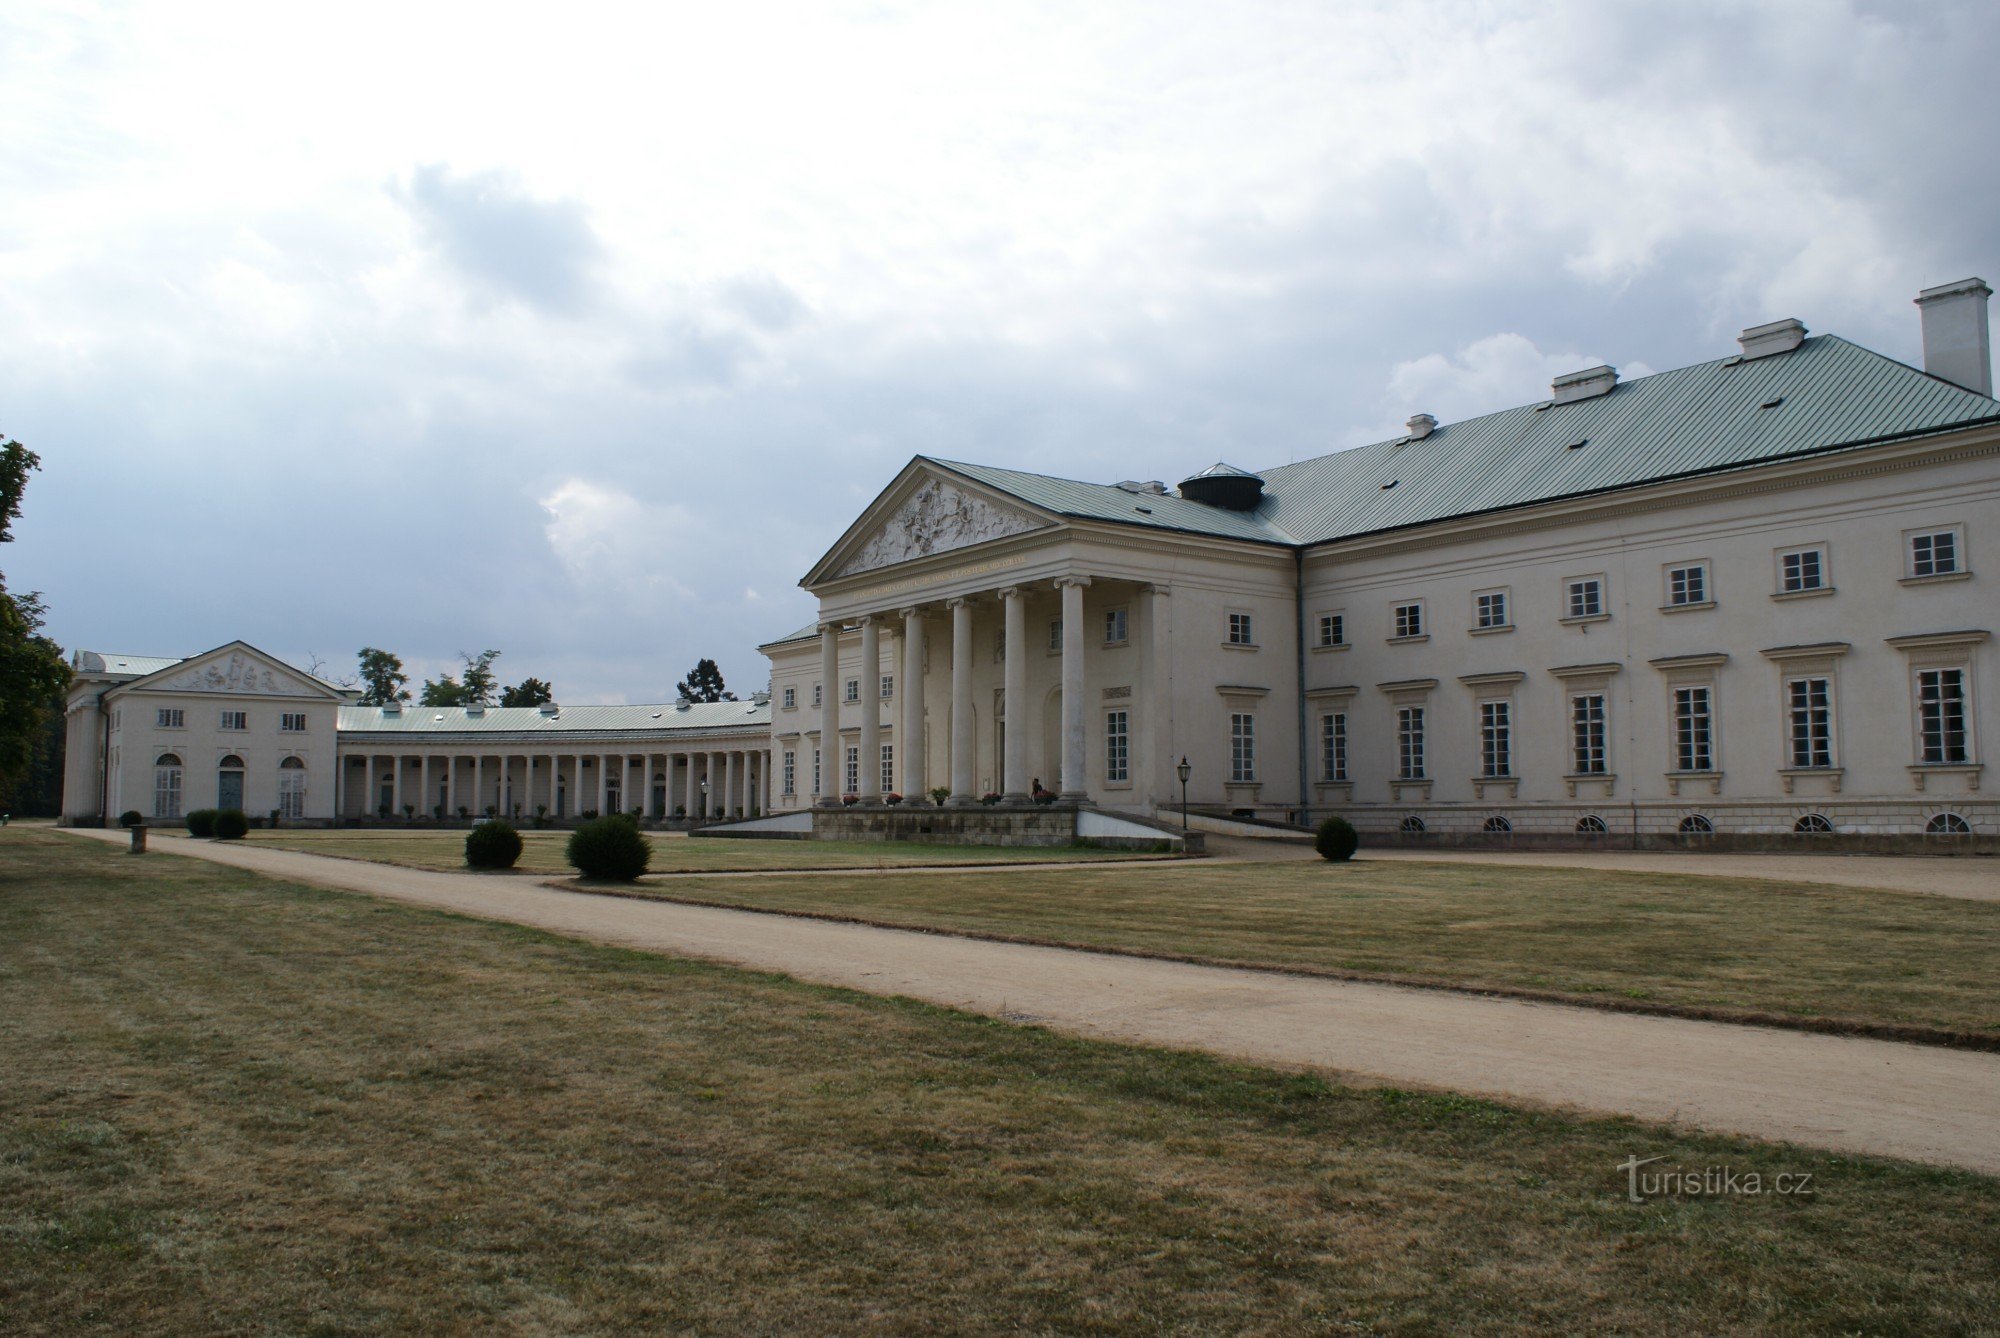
673 852
1799 951
235 1105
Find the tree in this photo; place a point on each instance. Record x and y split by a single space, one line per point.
442 691
475 689
528 692
704 684
383 677
33 676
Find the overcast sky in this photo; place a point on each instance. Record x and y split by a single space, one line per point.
580 331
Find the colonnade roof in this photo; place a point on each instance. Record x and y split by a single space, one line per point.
555 722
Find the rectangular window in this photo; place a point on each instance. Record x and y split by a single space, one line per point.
791 698
1117 747
1242 747
791 772
1496 738
1489 609
1114 627
292 722
1055 636
1585 597
1941 716
1934 554
850 771
816 753
888 768
1333 746
170 717
1410 742
1810 703
816 694
1687 585
1587 751
1694 729
235 720
1801 571
851 691
999 645
1332 629
1239 630
888 686
1409 620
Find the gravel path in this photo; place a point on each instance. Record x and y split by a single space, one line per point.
1918 1102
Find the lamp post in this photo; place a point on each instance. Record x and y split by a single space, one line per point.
1182 771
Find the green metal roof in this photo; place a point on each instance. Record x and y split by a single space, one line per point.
132 666
1109 502
1729 414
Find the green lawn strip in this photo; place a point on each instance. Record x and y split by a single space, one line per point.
542 852
234 1104
1825 957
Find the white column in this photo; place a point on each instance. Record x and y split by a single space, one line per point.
729 785
478 787
962 759
576 790
625 796
396 786
1014 765
1072 681
687 787
424 786
910 692
829 714
868 784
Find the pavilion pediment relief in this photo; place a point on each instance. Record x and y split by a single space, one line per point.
937 518
238 674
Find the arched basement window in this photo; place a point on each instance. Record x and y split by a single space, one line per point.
1813 824
1948 824
1591 825
1697 824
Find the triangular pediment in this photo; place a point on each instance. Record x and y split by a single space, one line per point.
236 670
921 515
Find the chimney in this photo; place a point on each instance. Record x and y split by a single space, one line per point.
1421 426
1761 341
1584 385
1957 346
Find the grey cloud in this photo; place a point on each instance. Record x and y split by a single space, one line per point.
540 252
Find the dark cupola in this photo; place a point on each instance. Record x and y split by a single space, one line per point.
1225 486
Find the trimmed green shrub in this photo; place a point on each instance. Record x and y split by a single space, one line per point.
492 845
1335 839
610 847
201 822
231 824
131 818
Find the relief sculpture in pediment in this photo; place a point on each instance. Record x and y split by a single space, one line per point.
937 518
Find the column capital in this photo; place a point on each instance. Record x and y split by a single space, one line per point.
1011 592
865 620
1156 589
824 628
1063 582
962 602
913 611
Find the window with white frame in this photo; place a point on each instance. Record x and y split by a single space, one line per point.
1936 553
791 698
1117 747
1333 746
1496 739
888 768
851 690
1055 636
816 775
1242 747
1801 571
291 722
1115 627
1687 585
789 772
1583 597
170 717
1489 610
1588 753
1240 630
818 696
850 771
1941 732
292 789
1694 729
888 686
1408 620
1409 743
1809 706
1332 629
235 720
167 786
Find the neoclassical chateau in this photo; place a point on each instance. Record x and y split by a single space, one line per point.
1751 597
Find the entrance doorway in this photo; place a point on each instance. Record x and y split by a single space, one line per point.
229 783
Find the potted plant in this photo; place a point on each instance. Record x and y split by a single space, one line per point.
989 798
940 793
849 800
892 799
